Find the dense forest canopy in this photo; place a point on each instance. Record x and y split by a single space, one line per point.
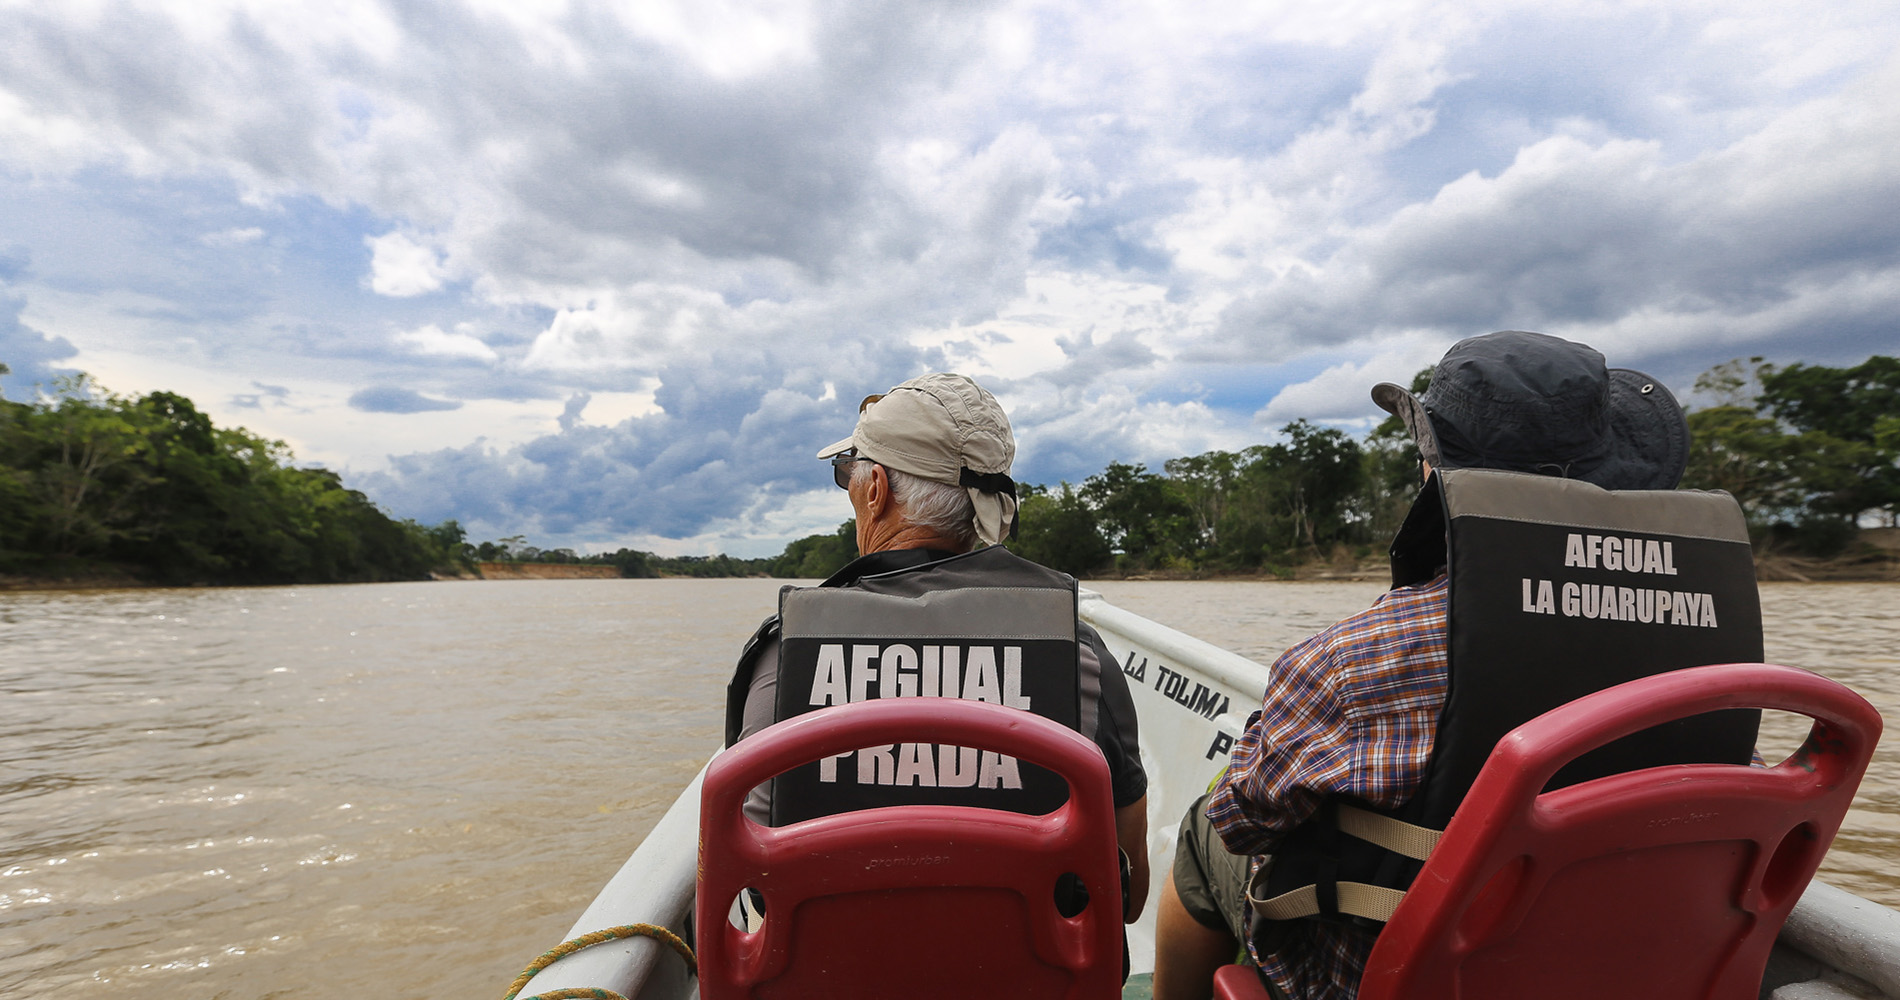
632 563
91 480
1809 451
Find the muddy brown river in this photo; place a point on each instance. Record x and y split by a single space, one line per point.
412 789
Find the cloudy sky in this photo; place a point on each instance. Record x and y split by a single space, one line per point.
608 273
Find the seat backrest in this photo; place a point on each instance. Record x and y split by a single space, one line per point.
919 900
1664 882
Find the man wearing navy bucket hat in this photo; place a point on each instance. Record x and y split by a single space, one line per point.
1539 431
1534 403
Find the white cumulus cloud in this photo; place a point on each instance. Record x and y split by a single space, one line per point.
400 267
710 226
432 341
1343 392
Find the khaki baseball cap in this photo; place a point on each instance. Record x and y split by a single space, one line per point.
945 428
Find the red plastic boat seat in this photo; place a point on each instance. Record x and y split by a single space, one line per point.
1668 882
913 901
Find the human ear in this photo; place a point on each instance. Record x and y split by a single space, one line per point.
877 491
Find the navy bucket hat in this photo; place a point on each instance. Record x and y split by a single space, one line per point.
1529 402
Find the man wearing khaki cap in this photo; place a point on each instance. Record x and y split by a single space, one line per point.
935 607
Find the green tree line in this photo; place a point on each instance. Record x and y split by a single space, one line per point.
815 556
1809 451
1263 509
632 563
93 482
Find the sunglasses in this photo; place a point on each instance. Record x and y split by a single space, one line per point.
841 468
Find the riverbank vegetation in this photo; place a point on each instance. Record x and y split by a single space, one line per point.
1810 452
94 485
811 557
632 563
148 489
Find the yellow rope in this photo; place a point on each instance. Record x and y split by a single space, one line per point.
567 948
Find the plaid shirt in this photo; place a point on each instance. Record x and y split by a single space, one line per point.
1350 712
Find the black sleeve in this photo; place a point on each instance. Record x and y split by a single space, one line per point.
1116 730
741 682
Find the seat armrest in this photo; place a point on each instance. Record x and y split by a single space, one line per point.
1239 982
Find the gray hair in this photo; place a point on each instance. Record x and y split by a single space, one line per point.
926 503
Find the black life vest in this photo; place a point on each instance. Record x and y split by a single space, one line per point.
1558 588
986 626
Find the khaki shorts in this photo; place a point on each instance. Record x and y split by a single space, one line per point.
1212 883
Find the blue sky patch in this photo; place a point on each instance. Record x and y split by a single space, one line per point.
652 263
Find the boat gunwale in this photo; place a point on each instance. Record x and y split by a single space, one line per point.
1844 933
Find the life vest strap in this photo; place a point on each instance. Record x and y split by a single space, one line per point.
1374 902
1359 899
1413 841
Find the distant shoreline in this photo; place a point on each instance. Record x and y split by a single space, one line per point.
107 578
542 571
1873 558
1768 569
1872 564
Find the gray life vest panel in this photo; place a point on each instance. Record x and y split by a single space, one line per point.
1558 588
987 626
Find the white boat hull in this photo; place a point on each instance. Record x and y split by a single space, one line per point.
1193 699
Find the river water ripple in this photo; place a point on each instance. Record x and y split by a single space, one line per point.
412 789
